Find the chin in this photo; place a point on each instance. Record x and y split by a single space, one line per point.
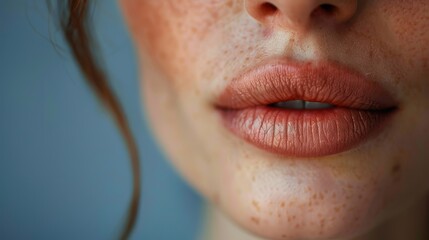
307 217
337 198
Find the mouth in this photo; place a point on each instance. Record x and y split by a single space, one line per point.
309 109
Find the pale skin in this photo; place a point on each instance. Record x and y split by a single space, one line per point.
189 50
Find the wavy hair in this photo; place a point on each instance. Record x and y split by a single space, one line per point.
75 25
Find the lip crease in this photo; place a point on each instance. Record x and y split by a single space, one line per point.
361 109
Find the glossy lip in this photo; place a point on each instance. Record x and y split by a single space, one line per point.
362 107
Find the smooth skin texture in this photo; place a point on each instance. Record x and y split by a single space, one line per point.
190 49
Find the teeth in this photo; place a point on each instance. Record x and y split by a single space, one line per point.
300 104
317 105
294 104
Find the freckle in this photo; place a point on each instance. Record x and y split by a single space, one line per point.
322 223
256 205
321 196
396 169
315 196
270 213
253 178
279 215
282 204
297 225
337 209
255 220
360 196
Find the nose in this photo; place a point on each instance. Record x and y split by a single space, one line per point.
300 14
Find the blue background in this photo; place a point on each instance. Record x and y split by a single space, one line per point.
64 169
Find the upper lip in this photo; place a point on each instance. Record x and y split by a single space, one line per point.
323 81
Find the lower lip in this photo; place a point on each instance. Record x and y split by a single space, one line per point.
304 133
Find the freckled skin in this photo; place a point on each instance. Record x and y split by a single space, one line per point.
190 49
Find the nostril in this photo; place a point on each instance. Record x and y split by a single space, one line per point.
268 8
300 15
325 10
328 8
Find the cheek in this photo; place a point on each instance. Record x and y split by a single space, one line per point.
409 23
174 33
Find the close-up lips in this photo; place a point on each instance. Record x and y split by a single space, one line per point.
304 109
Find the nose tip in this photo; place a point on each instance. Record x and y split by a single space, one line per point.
300 14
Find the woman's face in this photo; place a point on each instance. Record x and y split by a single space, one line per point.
323 173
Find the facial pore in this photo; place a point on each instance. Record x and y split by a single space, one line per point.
189 50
